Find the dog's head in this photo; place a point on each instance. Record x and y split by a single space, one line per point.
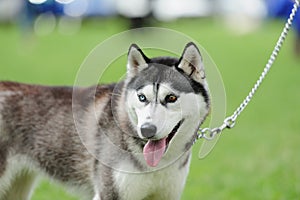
167 99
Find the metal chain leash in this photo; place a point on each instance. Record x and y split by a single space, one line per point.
229 122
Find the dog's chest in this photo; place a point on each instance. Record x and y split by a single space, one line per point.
166 183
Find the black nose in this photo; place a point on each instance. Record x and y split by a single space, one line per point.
148 130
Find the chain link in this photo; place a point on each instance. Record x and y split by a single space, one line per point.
229 122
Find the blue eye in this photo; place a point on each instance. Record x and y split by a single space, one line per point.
142 98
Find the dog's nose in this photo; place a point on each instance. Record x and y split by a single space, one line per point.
148 130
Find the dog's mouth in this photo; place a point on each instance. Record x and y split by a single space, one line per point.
155 149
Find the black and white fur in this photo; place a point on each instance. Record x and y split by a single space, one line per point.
125 141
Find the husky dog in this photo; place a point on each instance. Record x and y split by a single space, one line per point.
125 141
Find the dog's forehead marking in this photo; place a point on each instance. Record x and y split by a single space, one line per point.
158 90
157 74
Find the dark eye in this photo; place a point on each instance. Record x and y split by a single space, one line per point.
171 98
142 98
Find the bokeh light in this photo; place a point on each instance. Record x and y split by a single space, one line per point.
37 1
44 24
76 8
69 25
64 1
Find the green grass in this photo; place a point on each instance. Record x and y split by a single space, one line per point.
258 159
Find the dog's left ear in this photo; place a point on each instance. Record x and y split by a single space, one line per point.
191 63
137 60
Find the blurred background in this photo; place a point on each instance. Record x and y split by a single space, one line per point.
46 41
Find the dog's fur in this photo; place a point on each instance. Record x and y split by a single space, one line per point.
94 139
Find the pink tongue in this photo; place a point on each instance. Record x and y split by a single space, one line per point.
153 151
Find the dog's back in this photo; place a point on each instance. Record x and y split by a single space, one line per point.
37 131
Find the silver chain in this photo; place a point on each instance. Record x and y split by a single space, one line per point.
229 122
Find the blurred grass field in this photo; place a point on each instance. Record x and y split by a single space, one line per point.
258 159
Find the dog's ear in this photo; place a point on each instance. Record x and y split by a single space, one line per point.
191 63
137 61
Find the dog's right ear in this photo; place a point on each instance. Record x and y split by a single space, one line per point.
137 61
